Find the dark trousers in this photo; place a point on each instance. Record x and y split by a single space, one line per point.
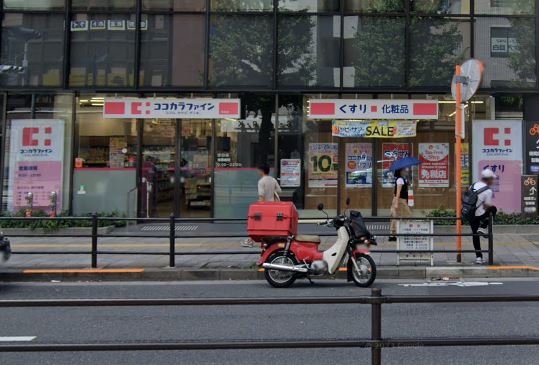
480 221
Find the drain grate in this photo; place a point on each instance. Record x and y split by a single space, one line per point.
164 227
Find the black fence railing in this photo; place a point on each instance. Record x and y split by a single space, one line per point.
94 235
376 342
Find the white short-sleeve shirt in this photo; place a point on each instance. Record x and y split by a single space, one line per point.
483 198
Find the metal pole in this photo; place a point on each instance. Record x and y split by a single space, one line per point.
376 326
490 239
458 166
172 241
94 241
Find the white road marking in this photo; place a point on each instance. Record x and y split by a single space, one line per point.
461 284
17 338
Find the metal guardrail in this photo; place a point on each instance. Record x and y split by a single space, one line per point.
376 342
172 236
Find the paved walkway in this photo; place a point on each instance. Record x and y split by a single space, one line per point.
510 249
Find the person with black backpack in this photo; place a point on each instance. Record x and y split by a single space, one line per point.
477 205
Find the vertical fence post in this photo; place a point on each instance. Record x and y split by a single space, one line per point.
490 239
94 240
376 326
172 241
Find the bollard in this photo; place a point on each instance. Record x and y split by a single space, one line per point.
490 239
94 240
172 241
376 326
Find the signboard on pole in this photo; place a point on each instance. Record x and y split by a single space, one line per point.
358 165
532 147
290 172
374 129
150 108
529 194
372 109
323 164
36 161
415 243
434 168
497 146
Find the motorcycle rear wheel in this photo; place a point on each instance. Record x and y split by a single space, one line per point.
367 273
277 278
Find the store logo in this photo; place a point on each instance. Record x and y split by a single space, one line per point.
140 108
34 136
493 136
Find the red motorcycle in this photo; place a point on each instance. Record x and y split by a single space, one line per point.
287 256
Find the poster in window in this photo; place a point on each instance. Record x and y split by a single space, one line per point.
358 165
323 165
36 161
434 168
497 146
391 153
290 172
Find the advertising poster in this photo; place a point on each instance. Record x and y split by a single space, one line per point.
358 165
532 147
434 168
392 152
374 129
323 165
36 162
290 172
529 194
497 146
465 162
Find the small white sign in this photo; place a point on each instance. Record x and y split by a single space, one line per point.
79 25
97 24
116 24
290 172
415 243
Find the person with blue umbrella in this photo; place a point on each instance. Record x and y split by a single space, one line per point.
399 205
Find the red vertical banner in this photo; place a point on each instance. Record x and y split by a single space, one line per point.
391 153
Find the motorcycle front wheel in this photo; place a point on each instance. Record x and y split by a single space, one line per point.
278 278
365 276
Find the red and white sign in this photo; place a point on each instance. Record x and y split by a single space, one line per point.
434 168
36 162
171 108
372 109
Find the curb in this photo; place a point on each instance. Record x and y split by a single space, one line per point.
168 274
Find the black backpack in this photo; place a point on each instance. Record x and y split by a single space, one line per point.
469 202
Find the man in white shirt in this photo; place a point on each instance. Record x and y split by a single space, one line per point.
268 187
484 207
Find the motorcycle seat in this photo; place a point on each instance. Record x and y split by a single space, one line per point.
307 238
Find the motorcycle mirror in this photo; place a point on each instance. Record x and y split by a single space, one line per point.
320 207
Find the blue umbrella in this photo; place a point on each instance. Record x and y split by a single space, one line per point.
404 163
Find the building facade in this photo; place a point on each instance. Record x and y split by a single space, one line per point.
61 60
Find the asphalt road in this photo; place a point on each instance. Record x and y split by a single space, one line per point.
168 324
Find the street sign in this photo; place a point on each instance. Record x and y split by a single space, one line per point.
470 79
417 243
529 193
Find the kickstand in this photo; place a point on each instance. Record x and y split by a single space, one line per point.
310 281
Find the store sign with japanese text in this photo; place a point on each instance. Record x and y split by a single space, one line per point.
497 146
290 172
434 168
391 153
374 129
150 108
323 165
358 165
372 109
529 194
532 147
36 161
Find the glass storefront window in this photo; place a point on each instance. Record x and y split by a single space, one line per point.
37 152
241 5
33 5
374 6
437 45
105 162
174 5
505 7
507 47
32 45
241 50
367 40
168 57
99 5
308 48
103 49
309 6
441 6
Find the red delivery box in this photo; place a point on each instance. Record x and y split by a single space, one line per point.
272 219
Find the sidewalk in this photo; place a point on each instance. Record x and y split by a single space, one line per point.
515 255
